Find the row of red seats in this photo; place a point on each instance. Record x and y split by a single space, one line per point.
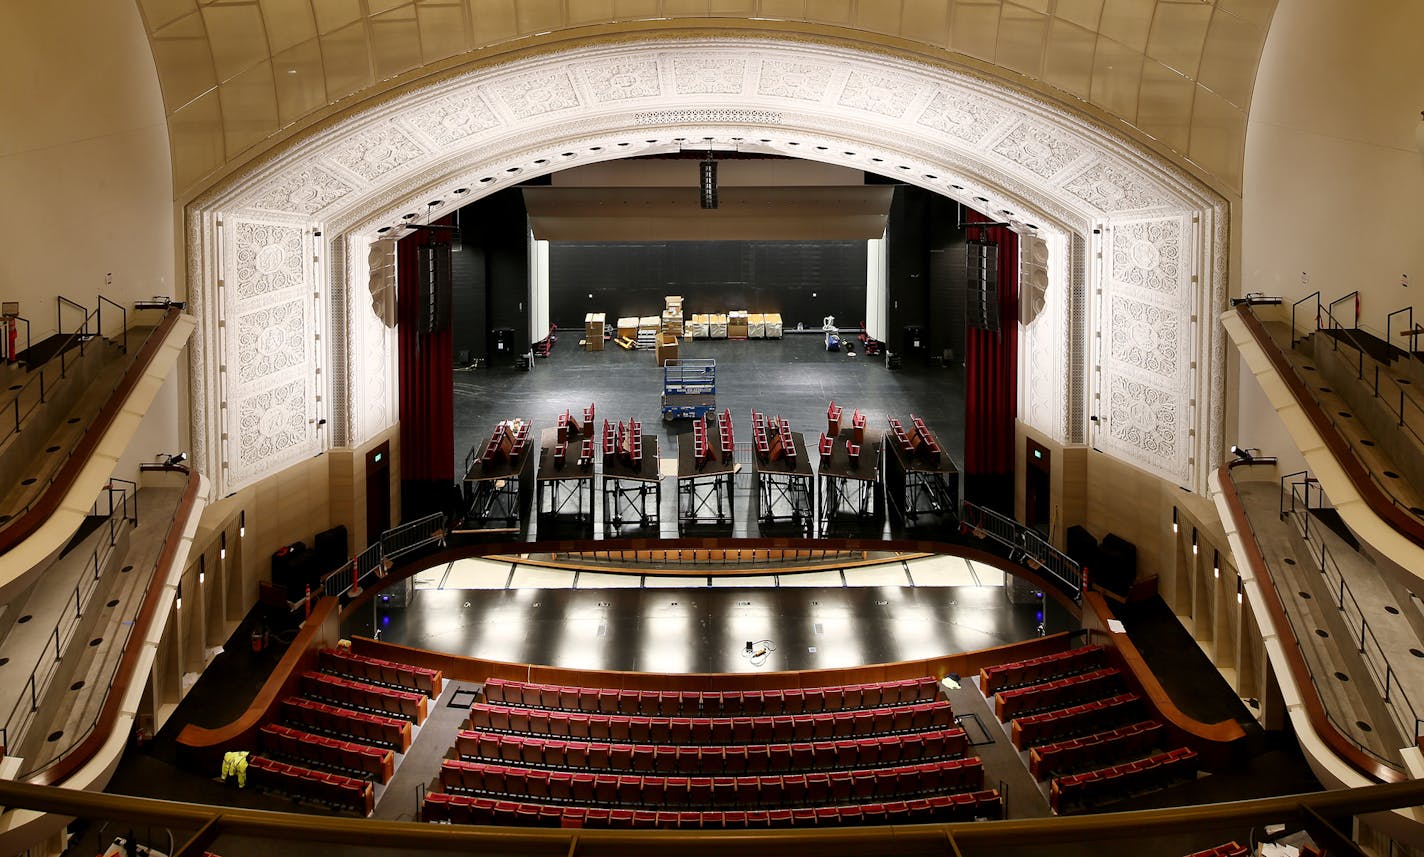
390 673
865 752
712 730
1035 670
360 759
655 790
1094 787
1229 849
692 703
356 694
330 789
1057 693
1086 752
1095 716
358 725
461 809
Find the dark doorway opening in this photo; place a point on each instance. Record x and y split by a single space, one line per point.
1038 480
378 491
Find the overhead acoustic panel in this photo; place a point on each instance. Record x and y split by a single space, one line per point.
674 214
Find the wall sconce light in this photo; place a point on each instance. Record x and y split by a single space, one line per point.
1174 519
175 459
1194 541
242 524
202 569
1238 590
1216 565
222 550
178 602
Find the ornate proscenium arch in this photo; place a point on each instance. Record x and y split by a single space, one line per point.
280 252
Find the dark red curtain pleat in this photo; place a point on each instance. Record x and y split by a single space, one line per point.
427 419
991 367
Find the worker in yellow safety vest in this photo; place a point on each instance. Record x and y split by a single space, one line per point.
235 765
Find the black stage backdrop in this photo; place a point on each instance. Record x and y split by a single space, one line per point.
802 280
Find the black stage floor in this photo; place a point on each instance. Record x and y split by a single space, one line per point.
705 629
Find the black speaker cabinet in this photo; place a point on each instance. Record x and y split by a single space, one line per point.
332 548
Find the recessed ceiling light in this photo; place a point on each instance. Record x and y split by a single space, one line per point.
462 190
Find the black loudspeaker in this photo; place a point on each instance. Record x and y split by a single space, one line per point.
1082 546
1118 565
287 564
435 278
332 548
981 293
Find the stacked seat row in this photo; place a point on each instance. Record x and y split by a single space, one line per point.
359 725
1084 719
377 671
1091 750
692 703
1228 849
361 696
359 759
303 783
712 730
866 752
1037 670
462 809
1093 787
1057 693
658 791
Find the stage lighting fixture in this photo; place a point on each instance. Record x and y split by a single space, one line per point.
709 183
175 460
1242 453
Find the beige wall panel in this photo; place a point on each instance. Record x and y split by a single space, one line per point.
443 30
926 20
288 23
1165 104
1117 78
1068 58
1022 33
238 38
974 29
185 60
1178 30
345 55
300 81
332 15
395 42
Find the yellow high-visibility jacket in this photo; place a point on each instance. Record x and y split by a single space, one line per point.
235 764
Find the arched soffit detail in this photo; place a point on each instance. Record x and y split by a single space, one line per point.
256 245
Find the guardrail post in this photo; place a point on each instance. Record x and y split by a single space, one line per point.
355 577
1341 605
56 643
1363 628
34 698
1388 674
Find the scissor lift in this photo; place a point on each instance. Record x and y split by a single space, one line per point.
689 388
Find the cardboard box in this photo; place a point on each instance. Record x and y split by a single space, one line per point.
628 327
649 322
672 303
717 326
672 322
737 326
593 329
756 326
667 348
697 328
773 325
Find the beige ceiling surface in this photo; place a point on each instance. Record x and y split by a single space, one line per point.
235 72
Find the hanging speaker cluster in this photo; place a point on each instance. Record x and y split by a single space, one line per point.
709 183
1033 275
381 262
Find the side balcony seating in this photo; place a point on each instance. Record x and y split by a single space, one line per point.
656 791
1091 750
464 809
920 717
356 725
1097 716
348 757
1057 693
863 752
1091 788
376 671
362 696
332 790
693 703
1037 670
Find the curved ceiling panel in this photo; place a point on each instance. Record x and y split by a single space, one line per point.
236 72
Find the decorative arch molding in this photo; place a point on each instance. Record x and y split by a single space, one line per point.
1138 246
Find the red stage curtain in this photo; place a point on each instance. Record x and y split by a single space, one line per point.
991 368
427 379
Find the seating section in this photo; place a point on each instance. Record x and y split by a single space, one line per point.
365 697
1057 693
1038 670
600 757
1099 786
1229 849
714 759
1084 719
373 729
712 730
1091 751
694 703
358 759
657 791
463 809
387 673
334 790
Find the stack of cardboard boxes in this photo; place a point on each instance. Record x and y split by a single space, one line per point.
672 315
593 324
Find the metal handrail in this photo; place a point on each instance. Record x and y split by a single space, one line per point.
37 685
373 562
1387 680
1026 546
1330 308
79 336
1315 296
1389 326
60 302
15 318
123 321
